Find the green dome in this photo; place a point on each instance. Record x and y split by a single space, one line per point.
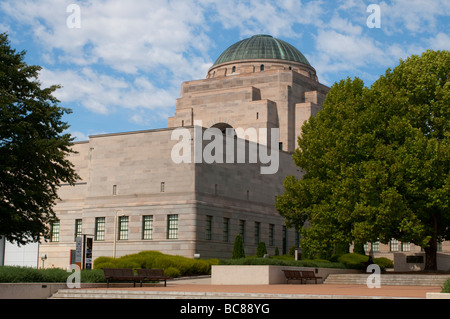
262 47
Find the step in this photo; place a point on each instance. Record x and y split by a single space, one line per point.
388 279
127 294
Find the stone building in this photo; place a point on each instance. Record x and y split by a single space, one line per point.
133 196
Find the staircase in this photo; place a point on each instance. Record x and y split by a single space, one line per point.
388 279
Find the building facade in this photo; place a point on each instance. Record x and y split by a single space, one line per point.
134 196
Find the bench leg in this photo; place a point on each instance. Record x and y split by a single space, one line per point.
107 283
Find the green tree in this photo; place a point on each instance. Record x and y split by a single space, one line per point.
238 248
377 161
33 149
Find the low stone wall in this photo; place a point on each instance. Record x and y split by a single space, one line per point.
264 275
416 262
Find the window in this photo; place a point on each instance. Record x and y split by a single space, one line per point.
284 240
163 187
147 227
406 246
261 67
376 246
242 229
280 146
114 190
78 226
226 230
233 70
172 226
54 231
257 232
208 228
271 234
257 115
394 245
123 228
248 195
100 228
216 189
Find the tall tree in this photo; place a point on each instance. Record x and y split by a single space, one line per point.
33 149
377 161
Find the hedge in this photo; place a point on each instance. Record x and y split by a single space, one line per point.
174 266
16 274
446 287
355 261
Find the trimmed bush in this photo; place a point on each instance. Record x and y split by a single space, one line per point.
261 250
446 287
158 260
13 274
238 248
384 262
172 272
356 261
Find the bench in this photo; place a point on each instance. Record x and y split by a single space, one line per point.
153 275
300 275
121 274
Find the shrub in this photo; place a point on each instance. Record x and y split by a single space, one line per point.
384 262
238 248
277 251
446 287
158 260
261 250
353 260
172 272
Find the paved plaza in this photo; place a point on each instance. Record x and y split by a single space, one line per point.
202 288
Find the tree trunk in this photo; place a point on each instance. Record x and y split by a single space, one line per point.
431 257
431 251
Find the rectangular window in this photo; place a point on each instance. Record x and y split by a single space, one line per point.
172 226
100 228
226 230
123 228
376 246
114 190
78 228
163 187
147 227
208 228
242 229
54 231
406 246
271 234
216 189
394 245
257 232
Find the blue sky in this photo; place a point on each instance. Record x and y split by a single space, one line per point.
122 69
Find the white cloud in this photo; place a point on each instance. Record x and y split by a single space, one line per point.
440 42
276 18
415 16
130 37
102 93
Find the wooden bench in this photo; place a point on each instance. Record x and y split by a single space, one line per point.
153 275
121 274
302 275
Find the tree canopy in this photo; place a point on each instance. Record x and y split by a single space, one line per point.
33 149
377 162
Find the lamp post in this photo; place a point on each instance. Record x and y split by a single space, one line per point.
115 230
